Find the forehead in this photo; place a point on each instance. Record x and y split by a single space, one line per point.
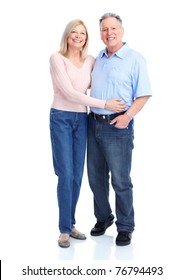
79 27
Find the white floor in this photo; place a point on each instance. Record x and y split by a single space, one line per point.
29 229
29 212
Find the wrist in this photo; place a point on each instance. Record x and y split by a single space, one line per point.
129 116
105 106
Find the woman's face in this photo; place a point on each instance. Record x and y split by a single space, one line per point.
77 37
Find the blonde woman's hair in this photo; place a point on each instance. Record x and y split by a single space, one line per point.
69 27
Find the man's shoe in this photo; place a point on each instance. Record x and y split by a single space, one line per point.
100 227
123 238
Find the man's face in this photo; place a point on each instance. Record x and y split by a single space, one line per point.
111 33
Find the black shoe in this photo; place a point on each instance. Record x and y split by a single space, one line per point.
100 227
123 238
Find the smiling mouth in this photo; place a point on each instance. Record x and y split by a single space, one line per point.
77 41
110 38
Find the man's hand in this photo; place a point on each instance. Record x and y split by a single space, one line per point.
121 121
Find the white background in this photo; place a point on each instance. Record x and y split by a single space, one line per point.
30 31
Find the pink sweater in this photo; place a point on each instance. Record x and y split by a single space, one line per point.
70 84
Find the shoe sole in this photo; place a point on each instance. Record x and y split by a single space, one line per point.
101 233
63 245
119 243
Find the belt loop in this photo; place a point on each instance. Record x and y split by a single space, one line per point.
94 115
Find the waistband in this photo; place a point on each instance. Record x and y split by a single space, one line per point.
106 117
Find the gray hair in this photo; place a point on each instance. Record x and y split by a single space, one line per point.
107 15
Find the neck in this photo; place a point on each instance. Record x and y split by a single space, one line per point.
74 54
111 51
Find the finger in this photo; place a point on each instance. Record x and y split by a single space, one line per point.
117 99
113 121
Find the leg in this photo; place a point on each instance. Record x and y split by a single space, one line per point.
79 149
98 172
62 150
118 149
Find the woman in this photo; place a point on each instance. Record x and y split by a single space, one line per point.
70 70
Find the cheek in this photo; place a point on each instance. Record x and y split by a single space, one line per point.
102 37
68 40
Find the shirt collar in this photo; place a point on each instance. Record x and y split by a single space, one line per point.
120 53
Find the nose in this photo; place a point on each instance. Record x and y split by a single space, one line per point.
77 34
108 31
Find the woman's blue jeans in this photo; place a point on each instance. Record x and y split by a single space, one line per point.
109 151
68 138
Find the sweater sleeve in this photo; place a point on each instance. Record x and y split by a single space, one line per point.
63 83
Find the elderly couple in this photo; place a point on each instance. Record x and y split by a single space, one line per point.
119 88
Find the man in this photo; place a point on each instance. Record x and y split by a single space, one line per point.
119 71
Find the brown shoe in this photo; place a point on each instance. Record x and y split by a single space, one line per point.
64 242
78 235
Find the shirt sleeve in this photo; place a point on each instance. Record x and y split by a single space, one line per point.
63 83
141 82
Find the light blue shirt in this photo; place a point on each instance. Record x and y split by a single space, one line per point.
123 75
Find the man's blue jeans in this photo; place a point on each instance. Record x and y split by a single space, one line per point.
109 149
68 138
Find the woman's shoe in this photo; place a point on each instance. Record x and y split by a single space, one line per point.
64 242
78 235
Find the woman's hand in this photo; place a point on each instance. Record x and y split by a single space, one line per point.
115 105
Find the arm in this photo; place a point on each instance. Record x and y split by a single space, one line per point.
62 81
122 121
137 106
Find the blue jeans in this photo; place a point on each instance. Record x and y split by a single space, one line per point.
68 132
109 151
